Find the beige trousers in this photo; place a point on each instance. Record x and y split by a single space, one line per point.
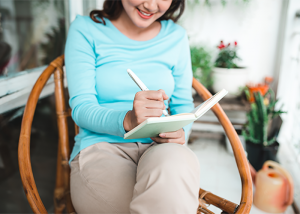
135 178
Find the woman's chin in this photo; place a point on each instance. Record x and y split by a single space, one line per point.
142 24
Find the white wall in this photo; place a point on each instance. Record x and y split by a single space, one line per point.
253 25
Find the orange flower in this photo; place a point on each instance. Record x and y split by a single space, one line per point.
257 88
268 80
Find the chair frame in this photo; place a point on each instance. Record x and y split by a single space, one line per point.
62 199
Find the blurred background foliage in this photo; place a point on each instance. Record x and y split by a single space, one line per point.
202 65
55 44
44 4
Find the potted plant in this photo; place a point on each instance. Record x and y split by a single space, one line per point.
226 73
263 125
202 66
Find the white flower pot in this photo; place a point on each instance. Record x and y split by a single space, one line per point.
232 80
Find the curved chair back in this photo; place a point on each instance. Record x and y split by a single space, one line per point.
62 199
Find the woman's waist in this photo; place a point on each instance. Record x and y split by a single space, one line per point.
88 136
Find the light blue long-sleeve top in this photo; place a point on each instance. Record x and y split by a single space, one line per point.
101 92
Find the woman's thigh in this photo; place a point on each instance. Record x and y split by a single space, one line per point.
103 177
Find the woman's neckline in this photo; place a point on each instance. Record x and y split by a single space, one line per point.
110 24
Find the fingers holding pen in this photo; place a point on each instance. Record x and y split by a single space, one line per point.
164 95
143 109
146 104
150 104
159 95
150 100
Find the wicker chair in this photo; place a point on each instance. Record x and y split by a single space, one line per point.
62 199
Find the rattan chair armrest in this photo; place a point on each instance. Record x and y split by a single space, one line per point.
25 168
238 150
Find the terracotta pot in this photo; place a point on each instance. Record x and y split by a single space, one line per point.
232 80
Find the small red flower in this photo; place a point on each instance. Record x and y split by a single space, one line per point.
235 43
221 46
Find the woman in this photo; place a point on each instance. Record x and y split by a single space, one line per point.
108 173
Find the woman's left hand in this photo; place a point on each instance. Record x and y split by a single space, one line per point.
171 137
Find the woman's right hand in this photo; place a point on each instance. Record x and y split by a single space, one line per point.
146 104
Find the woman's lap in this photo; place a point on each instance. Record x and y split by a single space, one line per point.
168 177
105 177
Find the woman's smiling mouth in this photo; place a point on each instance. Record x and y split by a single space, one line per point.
144 15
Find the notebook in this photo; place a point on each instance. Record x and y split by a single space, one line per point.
152 127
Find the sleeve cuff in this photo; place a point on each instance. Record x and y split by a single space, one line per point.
187 129
121 123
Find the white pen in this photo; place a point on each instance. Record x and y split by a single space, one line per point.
141 85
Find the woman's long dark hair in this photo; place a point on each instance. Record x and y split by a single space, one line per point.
112 10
